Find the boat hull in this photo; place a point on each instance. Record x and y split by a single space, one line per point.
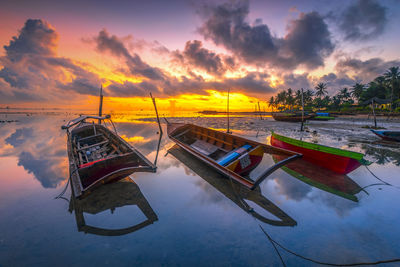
388 135
291 118
337 163
88 176
240 167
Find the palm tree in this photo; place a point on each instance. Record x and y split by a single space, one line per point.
308 97
281 99
290 100
357 90
344 94
392 76
321 89
271 102
297 97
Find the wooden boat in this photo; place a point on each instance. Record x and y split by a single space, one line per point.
110 197
322 178
388 135
233 156
335 159
236 192
291 117
98 155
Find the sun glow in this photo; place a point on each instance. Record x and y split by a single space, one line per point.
212 101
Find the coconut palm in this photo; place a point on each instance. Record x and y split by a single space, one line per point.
321 89
357 90
308 97
271 102
290 100
297 97
392 76
344 94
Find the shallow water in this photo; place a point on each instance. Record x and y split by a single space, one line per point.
187 215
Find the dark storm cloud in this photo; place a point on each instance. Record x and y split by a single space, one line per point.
226 25
307 42
365 70
12 77
112 44
36 37
252 83
128 89
296 81
366 19
337 81
31 71
199 57
82 86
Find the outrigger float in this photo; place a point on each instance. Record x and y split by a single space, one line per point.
234 157
338 160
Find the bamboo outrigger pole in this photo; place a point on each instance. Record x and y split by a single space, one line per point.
101 103
159 126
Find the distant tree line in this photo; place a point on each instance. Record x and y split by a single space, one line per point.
386 86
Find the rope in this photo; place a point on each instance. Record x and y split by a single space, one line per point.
66 186
325 263
377 176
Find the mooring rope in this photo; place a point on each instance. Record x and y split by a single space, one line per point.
66 186
326 263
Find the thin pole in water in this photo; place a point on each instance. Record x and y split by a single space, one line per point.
101 103
227 113
373 111
259 110
302 111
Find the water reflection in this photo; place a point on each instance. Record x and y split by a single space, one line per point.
383 154
338 184
109 197
40 149
234 191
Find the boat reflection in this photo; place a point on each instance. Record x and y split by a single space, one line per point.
324 179
111 196
233 190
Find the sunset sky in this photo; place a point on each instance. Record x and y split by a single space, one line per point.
188 53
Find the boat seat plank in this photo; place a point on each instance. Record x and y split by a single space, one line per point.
204 147
90 136
97 144
214 138
182 133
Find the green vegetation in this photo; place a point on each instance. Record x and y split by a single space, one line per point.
386 86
